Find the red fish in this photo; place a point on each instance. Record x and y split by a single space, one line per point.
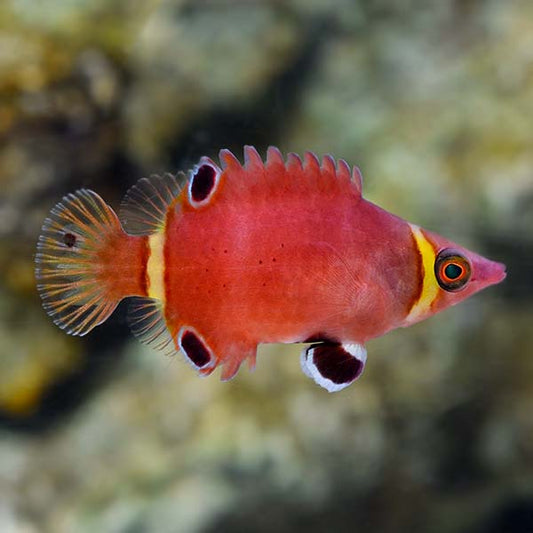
237 255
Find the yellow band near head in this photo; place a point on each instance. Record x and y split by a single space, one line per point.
155 267
430 288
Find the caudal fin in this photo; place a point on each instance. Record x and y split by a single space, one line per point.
86 263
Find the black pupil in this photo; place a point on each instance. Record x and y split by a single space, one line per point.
453 271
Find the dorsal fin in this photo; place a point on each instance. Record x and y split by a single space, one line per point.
311 163
357 177
144 208
147 323
294 163
252 159
274 158
328 166
290 171
228 161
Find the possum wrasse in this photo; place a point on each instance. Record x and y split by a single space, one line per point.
234 255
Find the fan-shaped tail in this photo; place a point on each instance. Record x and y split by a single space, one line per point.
86 263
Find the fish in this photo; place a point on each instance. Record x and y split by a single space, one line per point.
232 255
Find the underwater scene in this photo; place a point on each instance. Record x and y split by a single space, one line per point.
432 101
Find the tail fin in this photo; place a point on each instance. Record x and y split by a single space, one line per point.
86 263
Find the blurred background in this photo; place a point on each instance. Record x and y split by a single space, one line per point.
434 102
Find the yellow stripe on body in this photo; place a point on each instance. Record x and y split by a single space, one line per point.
155 268
430 287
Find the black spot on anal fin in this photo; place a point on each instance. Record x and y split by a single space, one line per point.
333 366
195 349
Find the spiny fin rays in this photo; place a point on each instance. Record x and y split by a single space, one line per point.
310 167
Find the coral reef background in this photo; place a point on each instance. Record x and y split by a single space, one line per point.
433 101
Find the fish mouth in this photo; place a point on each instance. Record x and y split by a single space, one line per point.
497 273
502 273
488 272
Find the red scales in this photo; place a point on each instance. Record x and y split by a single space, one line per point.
237 255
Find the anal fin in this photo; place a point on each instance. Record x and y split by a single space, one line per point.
230 368
147 322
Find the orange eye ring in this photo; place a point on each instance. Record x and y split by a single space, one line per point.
452 270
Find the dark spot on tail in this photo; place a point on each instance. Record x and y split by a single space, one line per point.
195 349
69 239
335 363
203 181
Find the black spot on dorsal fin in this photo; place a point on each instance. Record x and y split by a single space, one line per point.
333 366
144 208
203 181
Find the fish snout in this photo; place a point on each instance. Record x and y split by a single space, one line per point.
489 272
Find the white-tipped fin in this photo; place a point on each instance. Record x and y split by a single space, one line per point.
333 366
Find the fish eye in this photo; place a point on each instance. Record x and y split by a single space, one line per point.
452 270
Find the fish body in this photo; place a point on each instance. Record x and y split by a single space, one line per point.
238 255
